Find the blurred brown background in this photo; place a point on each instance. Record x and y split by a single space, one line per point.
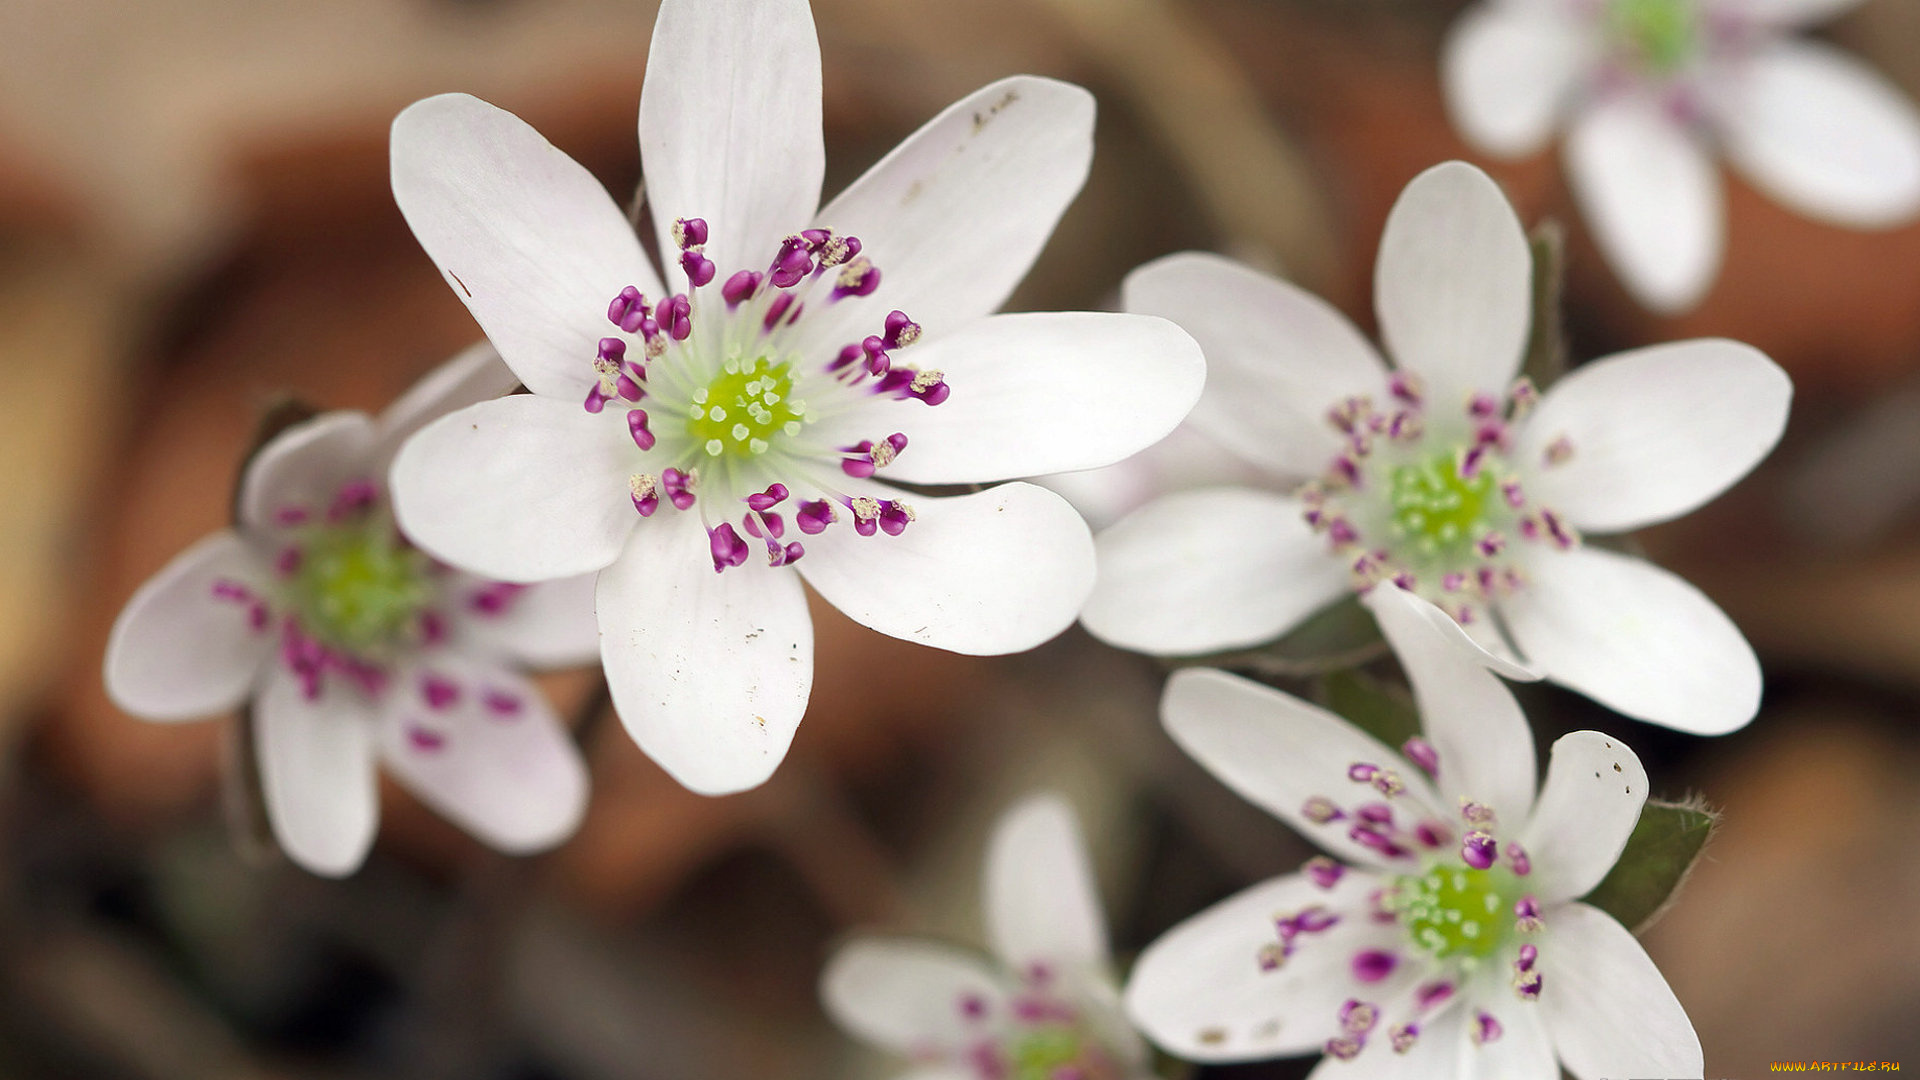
194 217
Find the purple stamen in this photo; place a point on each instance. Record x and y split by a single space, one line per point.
494 598
501 703
1359 1017
1432 995
425 740
433 628
858 278
776 311
1421 753
814 517
894 517
689 232
1324 872
439 691
1374 964
1432 834
679 488
677 314
973 1006
1360 772
1404 1037
1485 1029
727 547
354 497
900 330
740 287
1526 915
1478 849
628 309
768 499
644 493
1518 860
288 517
1321 810
637 427
1528 954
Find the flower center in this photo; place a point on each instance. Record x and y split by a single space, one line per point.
1429 501
746 406
1660 34
723 357
1040 1036
358 588
1456 911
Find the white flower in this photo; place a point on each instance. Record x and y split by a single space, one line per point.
1446 475
353 646
743 425
1449 941
1046 1010
1649 90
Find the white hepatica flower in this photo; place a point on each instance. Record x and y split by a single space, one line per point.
1649 90
670 436
1447 476
1449 942
1048 1010
354 646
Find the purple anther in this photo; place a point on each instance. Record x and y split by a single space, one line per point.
1517 859
772 525
727 547
1271 955
814 517
596 399
628 309
1346 471
1359 1017
1527 984
354 497
776 311
768 499
816 238
858 278
495 598
1474 813
1558 451
848 356
1512 493
973 1006
433 628
1341 532
900 330
502 703
779 556
1405 426
1368 836
1492 544
438 691
1344 1047
227 589
628 388
288 517
1360 772
1321 810
612 349
1375 814
1405 386
679 488
740 287
637 427
1432 996
1483 407
1372 965
791 265
895 516
1469 462
1530 527
258 616
1314 919
1421 753
645 494
1405 580
934 392
1432 835
677 316
425 740
859 467
689 232
1563 534
1478 849
1526 915
1404 1036
1324 872
1485 1029
287 563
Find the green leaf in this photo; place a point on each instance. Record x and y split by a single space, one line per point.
1341 635
1546 356
1665 844
1377 707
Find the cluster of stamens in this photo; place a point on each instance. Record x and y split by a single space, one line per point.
1459 904
1039 1035
720 397
1431 503
349 598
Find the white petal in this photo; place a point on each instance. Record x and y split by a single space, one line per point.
998 571
1182 461
1278 357
495 760
710 672
1199 991
1278 751
730 125
1042 905
1823 132
477 374
1476 727
1043 393
303 467
527 239
1792 13
1437 1054
1592 798
178 652
1524 1050
1453 284
1507 70
1655 432
548 625
1200 571
1652 198
316 769
524 488
906 995
955 215
1635 638
1610 1011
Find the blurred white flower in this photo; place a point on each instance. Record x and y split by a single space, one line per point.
353 646
1650 90
670 435
1446 475
1045 1008
1449 940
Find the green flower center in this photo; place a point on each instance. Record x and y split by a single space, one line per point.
1456 910
746 407
1436 508
1660 32
1057 1053
359 589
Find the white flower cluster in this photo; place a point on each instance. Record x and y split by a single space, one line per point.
761 408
